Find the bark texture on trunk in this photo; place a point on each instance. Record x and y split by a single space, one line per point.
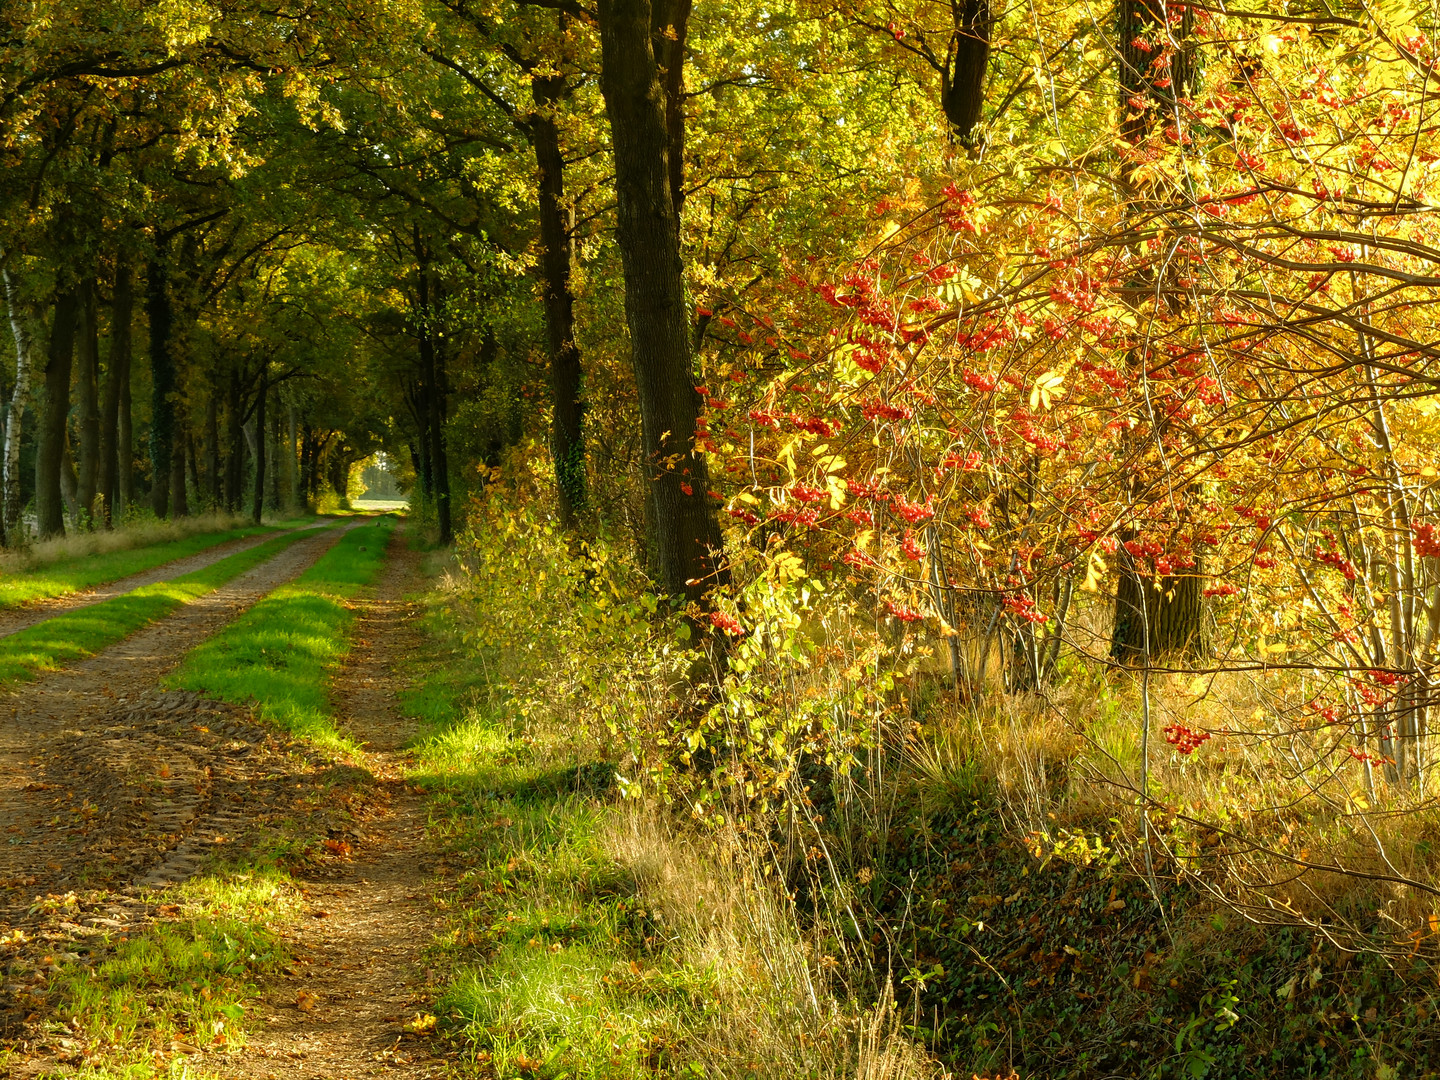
235 444
567 399
162 386
257 503
54 410
962 83
1146 61
125 451
20 400
87 405
292 459
686 536
432 376
1170 608
179 496
212 447
117 375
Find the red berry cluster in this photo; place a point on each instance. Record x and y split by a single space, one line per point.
1183 739
722 620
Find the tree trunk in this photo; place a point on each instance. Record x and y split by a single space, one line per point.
179 499
669 24
432 374
117 374
69 484
686 540
1138 71
192 470
420 447
962 85
257 503
212 447
292 462
272 486
567 401
235 445
55 408
20 400
162 390
125 442
1170 607
87 401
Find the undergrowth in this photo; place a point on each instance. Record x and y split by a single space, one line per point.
833 831
279 655
597 936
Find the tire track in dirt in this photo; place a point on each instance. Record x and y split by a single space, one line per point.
108 713
341 1009
13 620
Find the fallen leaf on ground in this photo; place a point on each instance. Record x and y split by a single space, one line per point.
305 1001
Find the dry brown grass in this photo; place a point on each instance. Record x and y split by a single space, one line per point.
75 545
1271 816
783 1006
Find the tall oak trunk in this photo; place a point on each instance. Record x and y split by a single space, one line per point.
54 410
162 386
87 402
685 538
567 402
117 375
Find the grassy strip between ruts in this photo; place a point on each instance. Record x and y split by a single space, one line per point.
89 571
279 654
77 634
182 985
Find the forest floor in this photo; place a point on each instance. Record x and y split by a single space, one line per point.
120 799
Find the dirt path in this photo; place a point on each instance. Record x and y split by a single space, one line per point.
134 779
13 620
111 787
343 1009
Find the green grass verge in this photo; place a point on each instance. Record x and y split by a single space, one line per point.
88 571
549 953
77 634
280 653
182 984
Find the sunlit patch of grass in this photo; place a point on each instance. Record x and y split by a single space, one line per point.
74 635
550 973
569 1009
183 984
279 655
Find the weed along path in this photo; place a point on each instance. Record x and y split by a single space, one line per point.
353 1002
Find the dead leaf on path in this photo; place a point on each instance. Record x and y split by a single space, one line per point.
305 1001
178 1047
422 1022
337 847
